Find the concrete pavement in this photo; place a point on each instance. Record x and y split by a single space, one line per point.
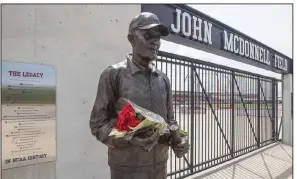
273 162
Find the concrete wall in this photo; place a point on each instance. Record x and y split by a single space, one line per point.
80 40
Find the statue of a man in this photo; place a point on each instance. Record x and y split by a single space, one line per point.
137 79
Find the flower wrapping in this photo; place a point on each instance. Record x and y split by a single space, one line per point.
133 118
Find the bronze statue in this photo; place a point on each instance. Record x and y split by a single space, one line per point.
137 79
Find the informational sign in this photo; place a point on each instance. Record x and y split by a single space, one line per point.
192 28
28 114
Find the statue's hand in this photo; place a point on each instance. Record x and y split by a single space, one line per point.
181 147
146 141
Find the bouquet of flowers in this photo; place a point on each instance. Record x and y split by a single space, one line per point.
133 118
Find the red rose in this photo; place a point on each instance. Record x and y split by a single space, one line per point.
127 118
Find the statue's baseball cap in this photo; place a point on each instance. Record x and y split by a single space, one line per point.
147 20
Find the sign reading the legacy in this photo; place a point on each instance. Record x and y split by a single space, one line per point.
28 114
191 25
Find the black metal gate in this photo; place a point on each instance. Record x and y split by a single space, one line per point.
227 112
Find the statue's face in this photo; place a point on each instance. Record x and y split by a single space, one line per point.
147 43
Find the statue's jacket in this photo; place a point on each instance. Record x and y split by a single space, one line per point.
153 92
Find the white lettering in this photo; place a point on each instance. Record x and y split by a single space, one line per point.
276 61
189 25
188 17
261 54
252 50
197 27
192 26
280 63
228 45
207 32
236 50
177 28
246 48
256 52
241 46
267 60
285 65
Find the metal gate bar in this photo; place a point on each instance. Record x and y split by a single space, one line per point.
244 106
212 110
227 112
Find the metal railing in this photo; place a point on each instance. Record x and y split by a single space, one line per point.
227 112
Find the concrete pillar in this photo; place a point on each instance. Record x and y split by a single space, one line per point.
287 117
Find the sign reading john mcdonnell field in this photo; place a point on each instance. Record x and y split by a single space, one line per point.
194 29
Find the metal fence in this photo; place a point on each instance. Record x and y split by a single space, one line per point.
227 112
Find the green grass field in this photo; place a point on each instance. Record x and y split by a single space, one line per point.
28 96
